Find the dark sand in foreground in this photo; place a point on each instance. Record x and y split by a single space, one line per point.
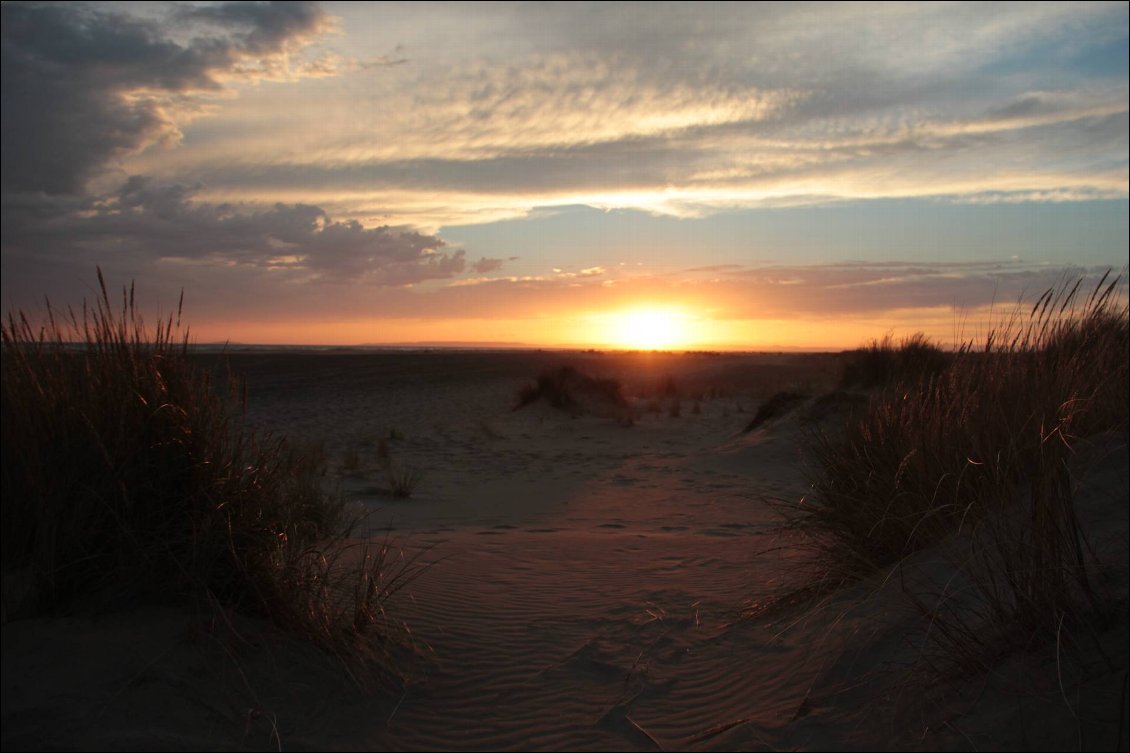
586 586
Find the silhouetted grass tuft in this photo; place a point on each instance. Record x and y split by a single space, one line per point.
402 479
573 391
127 480
881 362
775 407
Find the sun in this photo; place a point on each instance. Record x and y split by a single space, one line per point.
650 329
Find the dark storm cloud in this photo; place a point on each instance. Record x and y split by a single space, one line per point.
83 85
266 27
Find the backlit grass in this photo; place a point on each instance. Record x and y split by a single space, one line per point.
128 480
979 449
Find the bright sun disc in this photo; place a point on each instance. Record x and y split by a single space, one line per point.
650 329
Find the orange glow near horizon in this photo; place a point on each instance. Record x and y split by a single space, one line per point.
639 327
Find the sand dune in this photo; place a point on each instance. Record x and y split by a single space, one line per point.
586 588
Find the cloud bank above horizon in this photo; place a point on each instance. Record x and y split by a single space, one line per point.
315 154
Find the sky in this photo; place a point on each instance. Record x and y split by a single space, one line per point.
674 175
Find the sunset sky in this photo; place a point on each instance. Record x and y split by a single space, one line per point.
637 175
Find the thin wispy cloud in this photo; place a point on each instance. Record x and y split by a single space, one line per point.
778 291
687 111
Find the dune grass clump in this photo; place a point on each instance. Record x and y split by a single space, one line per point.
573 391
128 480
402 479
881 362
981 449
776 406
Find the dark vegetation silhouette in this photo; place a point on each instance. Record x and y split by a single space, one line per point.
776 406
573 391
128 479
974 450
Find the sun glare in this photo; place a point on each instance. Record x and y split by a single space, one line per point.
650 329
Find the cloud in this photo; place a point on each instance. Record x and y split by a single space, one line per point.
676 110
875 290
260 29
498 139
138 138
156 232
84 86
468 114
485 265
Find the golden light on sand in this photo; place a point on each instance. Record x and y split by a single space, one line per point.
651 329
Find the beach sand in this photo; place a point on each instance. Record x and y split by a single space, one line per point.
586 588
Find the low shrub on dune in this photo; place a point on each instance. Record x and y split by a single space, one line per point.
128 479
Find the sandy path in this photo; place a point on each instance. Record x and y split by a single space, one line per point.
588 577
586 574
